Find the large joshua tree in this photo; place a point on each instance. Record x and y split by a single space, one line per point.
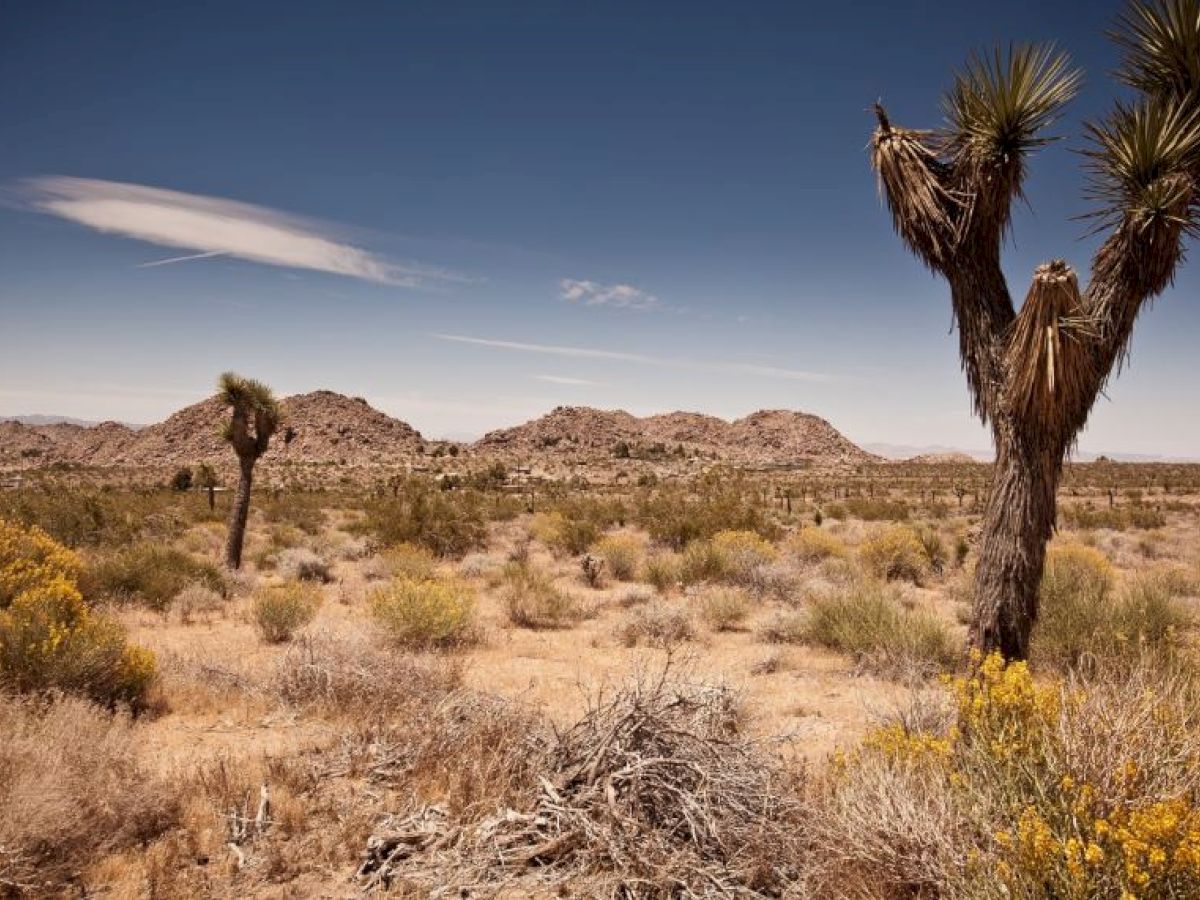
1034 373
255 415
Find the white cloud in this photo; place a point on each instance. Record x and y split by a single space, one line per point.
727 368
564 379
213 226
620 296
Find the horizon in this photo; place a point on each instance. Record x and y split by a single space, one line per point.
469 216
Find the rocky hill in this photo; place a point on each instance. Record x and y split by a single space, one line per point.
320 427
767 437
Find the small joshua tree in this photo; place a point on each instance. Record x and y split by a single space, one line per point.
254 418
1035 373
206 478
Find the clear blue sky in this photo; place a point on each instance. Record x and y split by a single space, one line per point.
471 212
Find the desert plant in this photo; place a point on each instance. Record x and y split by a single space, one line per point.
256 414
1035 374
404 560
447 523
532 600
810 545
182 479
302 564
425 614
592 570
206 479
280 610
622 554
660 625
742 553
663 570
869 623
895 553
147 573
724 608
30 558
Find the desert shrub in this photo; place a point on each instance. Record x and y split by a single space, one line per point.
778 581
197 601
478 565
147 573
742 553
1084 618
403 561
876 509
51 641
810 545
72 791
79 517
622 555
658 625
447 523
533 600
30 558
562 533
424 614
302 564
677 514
301 510
935 548
346 676
1026 789
895 553
785 628
1119 518
724 608
701 561
869 623
663 570
280 610
634 595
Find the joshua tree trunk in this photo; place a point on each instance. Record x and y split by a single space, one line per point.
212 497
1018 521
239 514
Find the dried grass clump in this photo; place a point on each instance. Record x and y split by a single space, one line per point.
279 611
812 545
654 793
302 564
869 622
71 791
658 625
197 601
150 574
663 570
742 553
533 600
405 560
895 553
431 614
622 554
724 608
343 676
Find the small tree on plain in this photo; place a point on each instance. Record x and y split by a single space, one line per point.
255 416
206 478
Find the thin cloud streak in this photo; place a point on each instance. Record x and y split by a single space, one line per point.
564 379
216 226
178 259
728 368
620 296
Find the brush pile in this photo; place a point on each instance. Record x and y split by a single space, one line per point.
654 793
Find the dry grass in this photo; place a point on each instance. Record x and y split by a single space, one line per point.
71 789
437 613
533 600
281 610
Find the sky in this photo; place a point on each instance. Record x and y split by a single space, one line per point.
469 213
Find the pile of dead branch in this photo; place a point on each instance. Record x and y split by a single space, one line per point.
654 793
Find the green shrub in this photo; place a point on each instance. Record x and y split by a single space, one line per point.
281 610
150 574
870 624
679 514
447 523
1085 620
425 613
875 510
532 600
701 561
663 570
895 553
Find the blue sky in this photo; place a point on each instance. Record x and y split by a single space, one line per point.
471 212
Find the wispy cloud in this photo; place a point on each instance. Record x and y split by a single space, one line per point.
212 226
728 368
178 259
564 379
620 296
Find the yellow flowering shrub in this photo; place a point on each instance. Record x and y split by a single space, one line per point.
622 554
895 553
1053 789
742 552
50 639
30 558
812 545
425 613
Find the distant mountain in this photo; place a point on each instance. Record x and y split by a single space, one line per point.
941 453
40 419
767 437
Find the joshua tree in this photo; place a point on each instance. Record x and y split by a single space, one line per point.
255 416
1035 373
206 477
